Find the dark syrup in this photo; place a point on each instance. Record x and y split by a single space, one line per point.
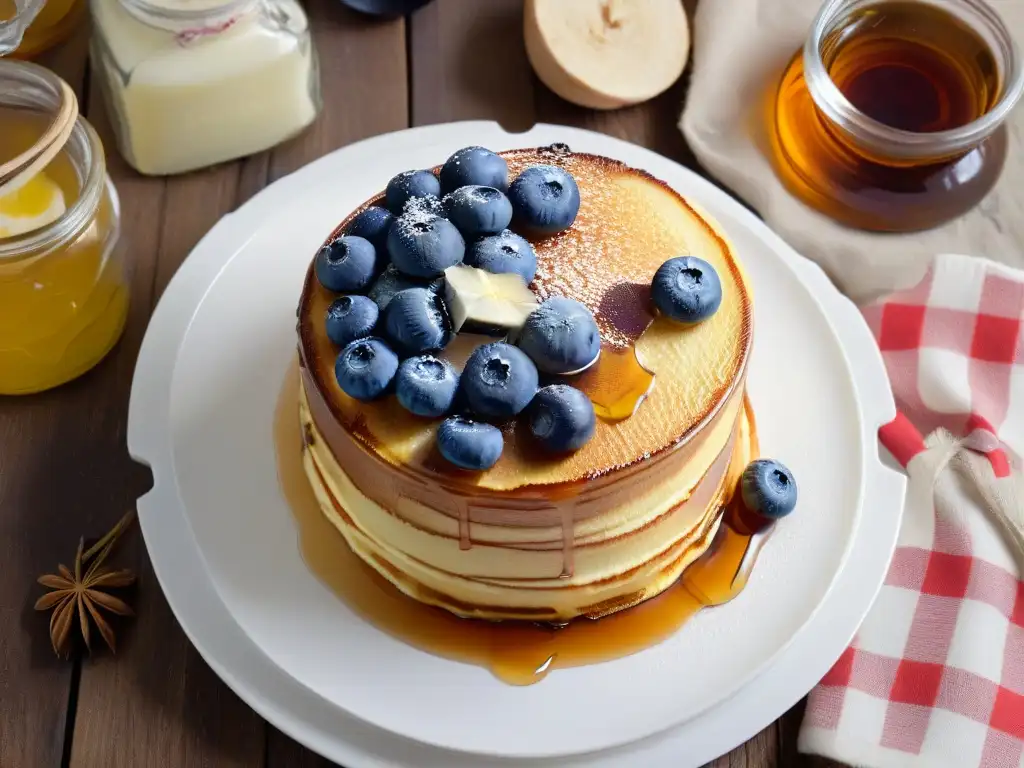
518 653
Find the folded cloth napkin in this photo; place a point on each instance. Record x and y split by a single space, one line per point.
740 49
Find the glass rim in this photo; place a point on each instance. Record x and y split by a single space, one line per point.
897 142
39 90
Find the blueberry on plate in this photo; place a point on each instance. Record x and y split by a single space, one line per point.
478 211
474 165
545 200
561 418
391 281
425 385
417 320
499 381
409 184
424 245
504 252
365 367
350 318
469 444
346 264
768 489
686 289
561 336
372 224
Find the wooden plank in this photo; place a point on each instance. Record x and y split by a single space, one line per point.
50 444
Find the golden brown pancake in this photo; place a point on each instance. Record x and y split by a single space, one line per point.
536 536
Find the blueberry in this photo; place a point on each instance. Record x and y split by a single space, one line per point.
365 368
385 7
768 489
372 224
469 444
561 336
417 320
424 205
686 289
561 418
346 264
392 281
478 210
499 381
409 184
426 385
474 165
424 245
545 200
350 318
504 252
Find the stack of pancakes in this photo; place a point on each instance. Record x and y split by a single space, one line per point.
536 537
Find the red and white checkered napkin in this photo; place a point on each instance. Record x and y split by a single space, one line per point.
935 676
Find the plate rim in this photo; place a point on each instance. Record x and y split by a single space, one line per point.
168 327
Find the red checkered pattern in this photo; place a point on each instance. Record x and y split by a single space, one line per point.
935 676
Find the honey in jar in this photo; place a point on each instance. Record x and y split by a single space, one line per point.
892 116
63 292
30 27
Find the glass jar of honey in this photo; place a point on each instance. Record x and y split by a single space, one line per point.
63 289
29 27
892 116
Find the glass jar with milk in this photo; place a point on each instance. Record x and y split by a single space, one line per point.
192 83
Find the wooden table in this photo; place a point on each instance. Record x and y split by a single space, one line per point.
64 467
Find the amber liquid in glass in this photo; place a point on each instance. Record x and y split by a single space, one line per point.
911 66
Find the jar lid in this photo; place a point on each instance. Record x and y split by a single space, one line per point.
189 19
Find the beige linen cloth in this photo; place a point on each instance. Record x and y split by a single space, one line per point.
740 48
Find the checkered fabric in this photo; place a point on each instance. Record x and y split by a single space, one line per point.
935 675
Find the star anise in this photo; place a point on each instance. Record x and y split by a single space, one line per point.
81 594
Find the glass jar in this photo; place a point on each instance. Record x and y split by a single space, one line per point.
30 27
892 116
63 290
191 84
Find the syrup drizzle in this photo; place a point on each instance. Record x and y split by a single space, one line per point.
518 653
616 384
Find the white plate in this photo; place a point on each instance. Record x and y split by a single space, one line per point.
201 415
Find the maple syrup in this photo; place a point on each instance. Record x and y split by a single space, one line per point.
891 118
616 384
518 653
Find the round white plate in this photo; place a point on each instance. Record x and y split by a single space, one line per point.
201 414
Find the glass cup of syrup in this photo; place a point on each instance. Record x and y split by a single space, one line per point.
892 116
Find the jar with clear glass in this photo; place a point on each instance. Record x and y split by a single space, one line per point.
29 27
892 116
63 287
193 83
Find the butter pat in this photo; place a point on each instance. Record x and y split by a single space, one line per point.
484 302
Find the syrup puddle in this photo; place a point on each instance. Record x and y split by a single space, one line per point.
518 653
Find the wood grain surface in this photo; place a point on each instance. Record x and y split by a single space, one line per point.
64 467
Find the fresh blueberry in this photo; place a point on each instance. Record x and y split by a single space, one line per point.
346 264
425 385
545 200
350 318
389 8
686 289
409 184
469 444
424 205
474 165
504 252
478 210
417 320
768 489
372 224
561 336
499 381
365 368
392 281
424 245
561 418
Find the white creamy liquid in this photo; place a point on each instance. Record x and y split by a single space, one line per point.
223 96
